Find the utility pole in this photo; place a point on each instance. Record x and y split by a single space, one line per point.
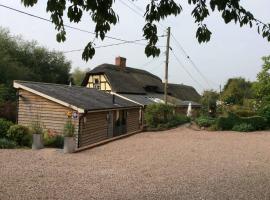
167 65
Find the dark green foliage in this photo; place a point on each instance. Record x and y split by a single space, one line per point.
54 141
205 121
258 122
103 16
4 126
262 86
236 90
69 129
162 116
265 112
158 114
20 134
209 102
244 127
7 144
23 60
8 110
244 113
228 122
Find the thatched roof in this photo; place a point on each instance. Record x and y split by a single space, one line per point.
183 92
127 80
137 81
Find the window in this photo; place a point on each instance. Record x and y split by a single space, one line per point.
96 83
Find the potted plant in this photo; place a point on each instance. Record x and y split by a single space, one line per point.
69 140
37 132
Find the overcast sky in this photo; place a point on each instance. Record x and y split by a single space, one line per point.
232 51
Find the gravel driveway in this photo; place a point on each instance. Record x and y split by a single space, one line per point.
176 164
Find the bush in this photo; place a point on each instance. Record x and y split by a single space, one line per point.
244 113
20 134
55 141
244 127
4 126
36 128
227 123
8 110
69 129
265 112
258 122
205 121
7 144
156 114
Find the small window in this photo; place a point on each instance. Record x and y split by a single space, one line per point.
96 81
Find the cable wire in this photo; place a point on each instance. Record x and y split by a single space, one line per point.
181 64
191 61
68 26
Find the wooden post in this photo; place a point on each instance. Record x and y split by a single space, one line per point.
167 65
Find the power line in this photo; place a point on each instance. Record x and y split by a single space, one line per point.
68 26
181 64
108 45
191 61
139 13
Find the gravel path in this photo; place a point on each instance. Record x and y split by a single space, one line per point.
176 164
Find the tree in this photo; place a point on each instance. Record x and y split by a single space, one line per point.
209 101
236 90
262 86
104 16
23 60
78 75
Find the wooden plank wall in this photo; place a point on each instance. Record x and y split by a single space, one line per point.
94 128
52 115
133 123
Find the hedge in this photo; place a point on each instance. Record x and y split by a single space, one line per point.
228 122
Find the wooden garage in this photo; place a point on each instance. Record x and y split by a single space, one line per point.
97 115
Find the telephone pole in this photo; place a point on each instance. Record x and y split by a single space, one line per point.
167 65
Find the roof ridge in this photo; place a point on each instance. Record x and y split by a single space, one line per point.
45 83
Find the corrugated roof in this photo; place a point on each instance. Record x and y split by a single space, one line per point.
152 98
81 97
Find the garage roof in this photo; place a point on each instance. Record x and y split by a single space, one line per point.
79 98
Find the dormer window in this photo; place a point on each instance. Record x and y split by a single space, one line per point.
96 83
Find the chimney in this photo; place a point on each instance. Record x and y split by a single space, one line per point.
120 62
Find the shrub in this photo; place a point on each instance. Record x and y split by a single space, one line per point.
4 126
244 113
156 114
20 134
227 123
205 121
244 127
55 141
258 122
265 112
69 129
7 144
36 128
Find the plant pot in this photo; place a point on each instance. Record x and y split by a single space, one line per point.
69 144
37 142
